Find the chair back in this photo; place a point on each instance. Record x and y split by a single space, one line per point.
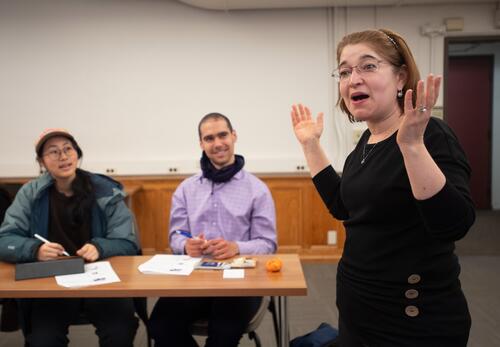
8 316
259 315
200 327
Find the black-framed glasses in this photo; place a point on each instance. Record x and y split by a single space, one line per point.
365 67
55 153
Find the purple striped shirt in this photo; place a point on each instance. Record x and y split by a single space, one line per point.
240 210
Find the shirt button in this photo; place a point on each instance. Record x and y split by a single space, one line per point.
213 223
414 278
411 311
411 294
215 205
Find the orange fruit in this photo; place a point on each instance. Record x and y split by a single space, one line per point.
274 265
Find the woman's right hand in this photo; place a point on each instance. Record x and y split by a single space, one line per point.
49 251
304 126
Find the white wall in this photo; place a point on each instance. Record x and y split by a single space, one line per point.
131 78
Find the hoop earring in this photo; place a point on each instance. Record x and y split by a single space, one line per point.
400 93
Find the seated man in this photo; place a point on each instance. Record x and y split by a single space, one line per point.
222 212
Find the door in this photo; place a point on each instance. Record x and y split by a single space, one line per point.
468 111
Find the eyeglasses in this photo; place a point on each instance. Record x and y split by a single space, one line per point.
55 153
365 67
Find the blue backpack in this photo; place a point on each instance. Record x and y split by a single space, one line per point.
324 336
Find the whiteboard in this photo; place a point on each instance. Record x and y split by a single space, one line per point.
131 80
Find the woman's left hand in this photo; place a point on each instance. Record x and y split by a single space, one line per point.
88 252
415 119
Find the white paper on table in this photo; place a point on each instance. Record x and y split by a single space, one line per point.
95 273
234 273
169 264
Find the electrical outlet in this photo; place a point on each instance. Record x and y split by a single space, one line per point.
331 237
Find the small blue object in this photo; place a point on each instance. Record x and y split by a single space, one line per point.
324 336
212 265
184 233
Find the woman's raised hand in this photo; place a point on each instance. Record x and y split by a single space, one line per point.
415 119
304 126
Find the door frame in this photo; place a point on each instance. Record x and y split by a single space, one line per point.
459 39
470 39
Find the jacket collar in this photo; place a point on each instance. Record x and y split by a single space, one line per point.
106 189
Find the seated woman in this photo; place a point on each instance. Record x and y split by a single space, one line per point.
80 213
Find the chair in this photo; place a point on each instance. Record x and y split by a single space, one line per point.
9 316
200 327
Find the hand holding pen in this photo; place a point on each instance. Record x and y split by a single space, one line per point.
194 246
198 246
49 250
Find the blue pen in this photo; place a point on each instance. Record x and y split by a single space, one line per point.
184 233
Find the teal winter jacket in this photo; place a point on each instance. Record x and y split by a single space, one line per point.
112 231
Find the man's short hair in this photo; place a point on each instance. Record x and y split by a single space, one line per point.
214 116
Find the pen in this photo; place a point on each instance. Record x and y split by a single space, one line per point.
184 233
187 234
44 240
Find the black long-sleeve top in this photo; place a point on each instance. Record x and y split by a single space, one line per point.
390 235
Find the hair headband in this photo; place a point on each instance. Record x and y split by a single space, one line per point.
391 39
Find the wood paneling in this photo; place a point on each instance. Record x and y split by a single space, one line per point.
302 219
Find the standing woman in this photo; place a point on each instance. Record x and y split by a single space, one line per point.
83 214
403 197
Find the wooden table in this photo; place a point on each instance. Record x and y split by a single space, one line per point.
201 283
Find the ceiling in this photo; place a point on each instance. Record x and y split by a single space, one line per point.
274 4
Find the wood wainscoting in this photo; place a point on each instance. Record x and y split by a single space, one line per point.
302 219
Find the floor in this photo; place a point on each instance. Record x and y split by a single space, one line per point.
479 254
480 279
